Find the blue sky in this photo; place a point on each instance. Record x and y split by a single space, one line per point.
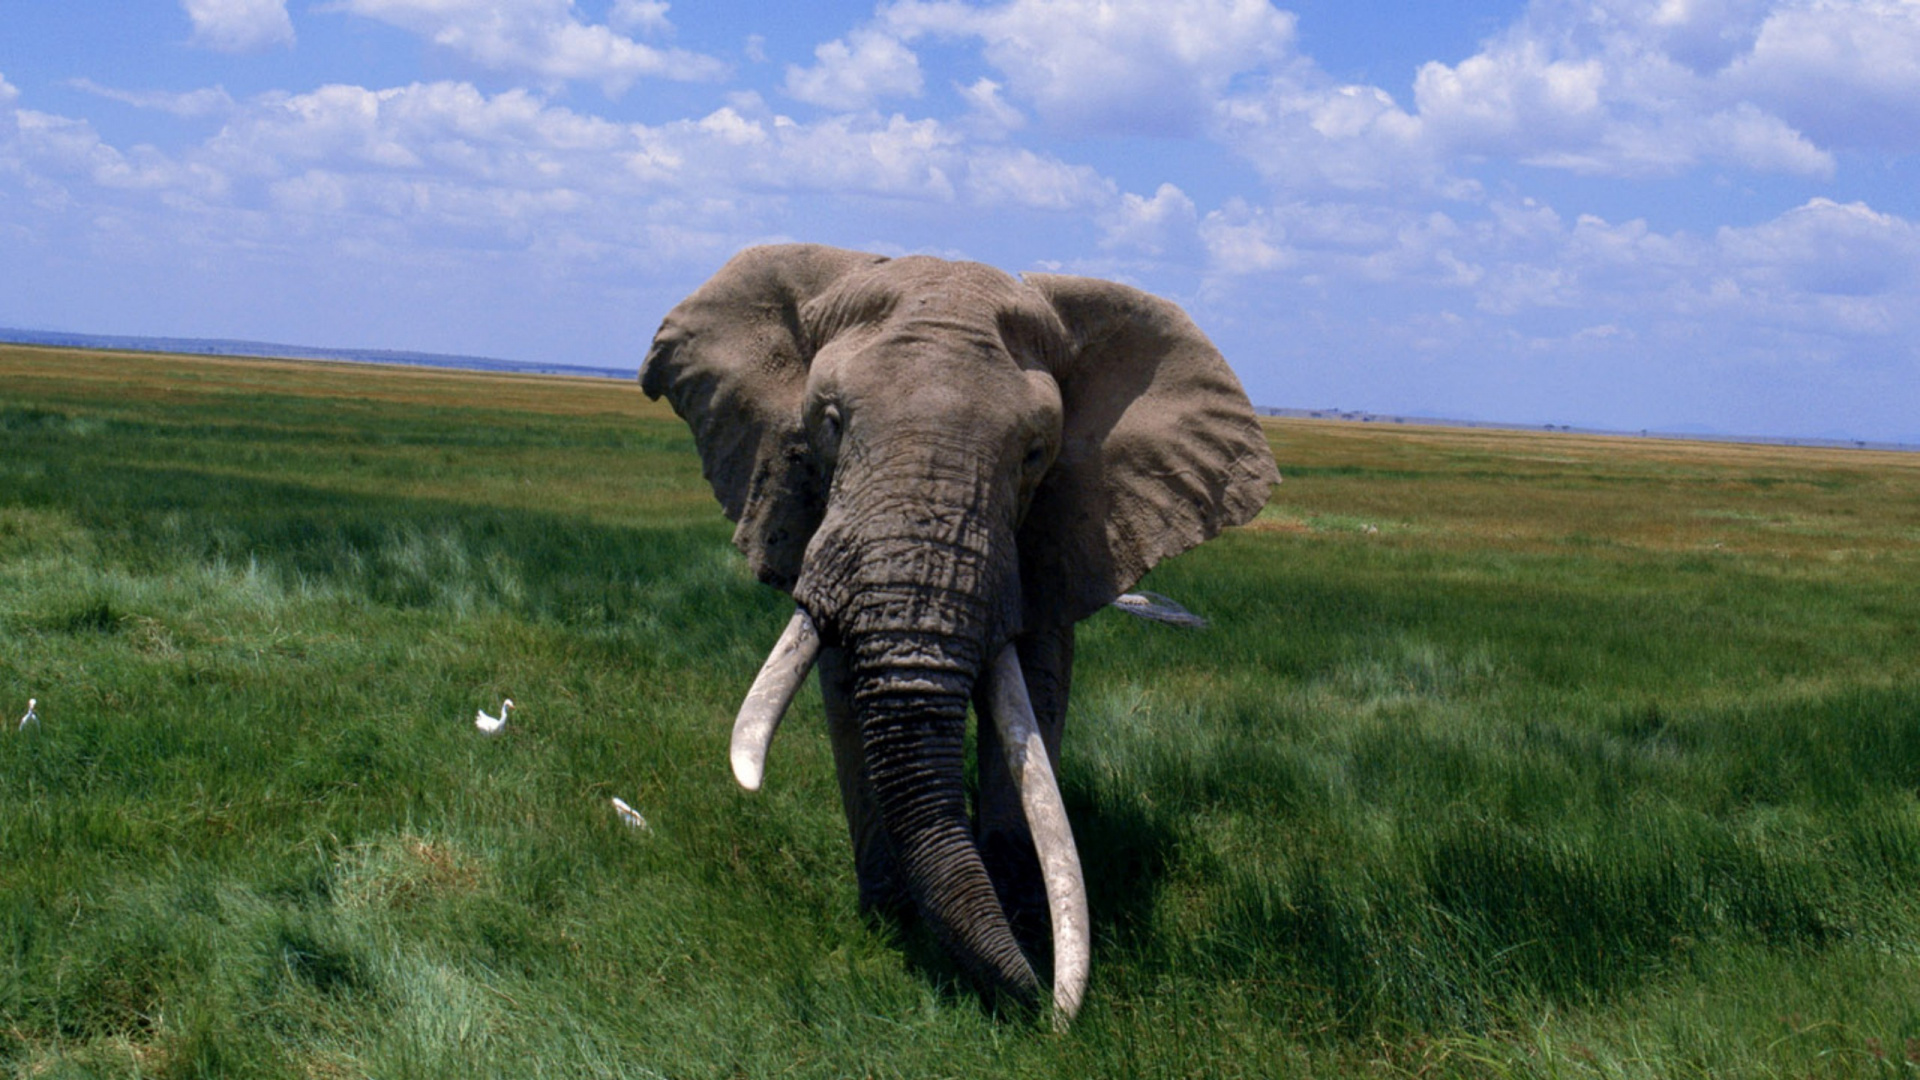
1668 214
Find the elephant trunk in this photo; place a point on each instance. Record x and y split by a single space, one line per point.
911 700
916 611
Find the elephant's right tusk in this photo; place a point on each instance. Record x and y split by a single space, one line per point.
1052 836
773 689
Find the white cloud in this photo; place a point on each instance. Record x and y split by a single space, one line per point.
239 26
1006 177
1624 112
1823 268
857 73
1339 244
992 116
544 38
1622 88
1104 67
1804 323
358 149
902 157
1747 136
1847 71
1823 252
1704 35
753 151
1509 97
442 130
647 16
190 104
56 154
1150 225
1242 241
1304 132
1628 88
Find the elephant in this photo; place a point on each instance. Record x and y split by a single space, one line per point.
947 467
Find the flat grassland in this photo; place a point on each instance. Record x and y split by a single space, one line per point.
1508 754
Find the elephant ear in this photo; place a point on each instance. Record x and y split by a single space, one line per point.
1160 449
732 359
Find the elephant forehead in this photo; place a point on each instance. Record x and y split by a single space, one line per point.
920 302
967 281
918 285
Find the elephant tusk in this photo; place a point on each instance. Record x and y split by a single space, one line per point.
773 689
1052 836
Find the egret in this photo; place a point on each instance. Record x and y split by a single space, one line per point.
1157 608
491 725
31 717
628 814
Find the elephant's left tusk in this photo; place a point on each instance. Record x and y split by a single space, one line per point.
773 689
1052 836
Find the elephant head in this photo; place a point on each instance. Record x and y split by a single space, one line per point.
947 468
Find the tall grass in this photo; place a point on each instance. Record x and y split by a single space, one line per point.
1508 755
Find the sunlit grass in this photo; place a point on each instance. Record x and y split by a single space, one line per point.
1509 754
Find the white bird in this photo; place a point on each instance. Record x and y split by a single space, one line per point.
491 725
629 815
31 717
1153 606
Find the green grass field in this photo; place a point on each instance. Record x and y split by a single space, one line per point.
1509 754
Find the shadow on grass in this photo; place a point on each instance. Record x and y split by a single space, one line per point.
1126 850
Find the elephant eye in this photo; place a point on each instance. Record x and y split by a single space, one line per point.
830 428
1036 457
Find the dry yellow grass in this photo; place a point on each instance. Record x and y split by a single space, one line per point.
180 379
327 424
1525 490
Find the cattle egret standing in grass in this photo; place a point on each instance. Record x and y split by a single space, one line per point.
491 725
628 814
31 717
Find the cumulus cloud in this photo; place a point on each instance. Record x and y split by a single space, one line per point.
1110 67
1305 132
896 157
991 115
1151 225
416 174
1829 268
239 26
857 72
1846 72
998 177
1340 244
1556 91
646 16
57 154
1628 88
1825 252
544 38
1506 98
429 154
511 139
1809 318
1621 88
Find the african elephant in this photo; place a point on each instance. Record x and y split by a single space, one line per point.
948 468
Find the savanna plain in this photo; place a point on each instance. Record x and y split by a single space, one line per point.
1507 754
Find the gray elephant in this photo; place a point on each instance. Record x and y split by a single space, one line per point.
948 468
